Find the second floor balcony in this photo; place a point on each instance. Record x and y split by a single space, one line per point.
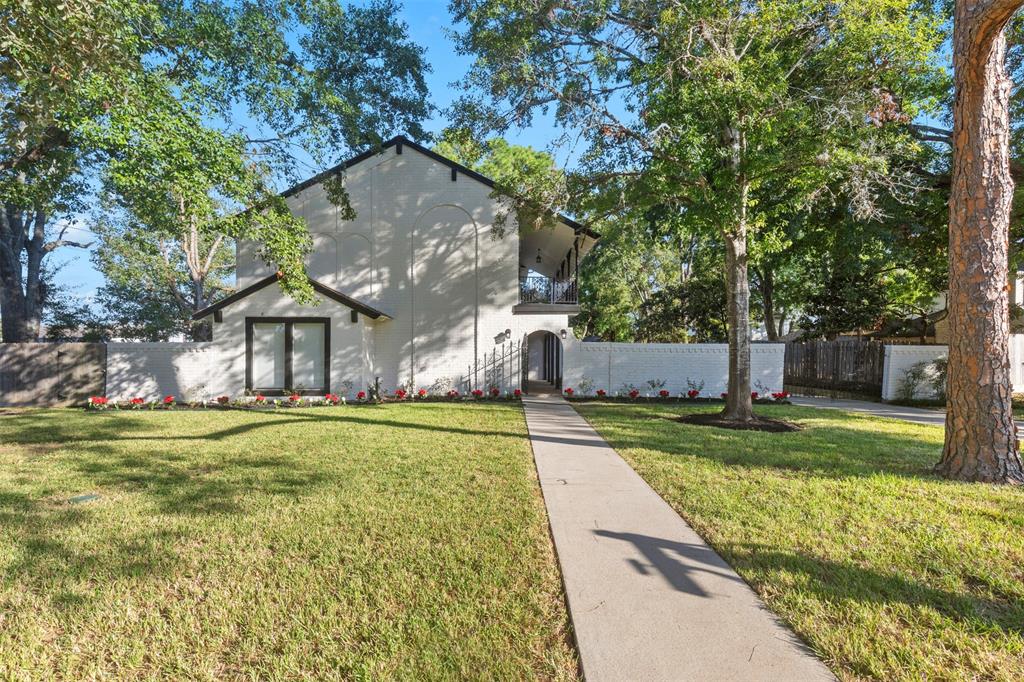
539 294
539 289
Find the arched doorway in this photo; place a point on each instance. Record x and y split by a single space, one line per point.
542 370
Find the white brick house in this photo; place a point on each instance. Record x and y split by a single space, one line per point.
415 290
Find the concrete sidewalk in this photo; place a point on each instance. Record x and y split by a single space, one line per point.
649 599
918 415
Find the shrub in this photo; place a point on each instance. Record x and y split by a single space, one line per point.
422 393
930 374
495 391
169 400
361 395
585 385
477 393
664 393
693 392
601 393
753 395
634 394
517 393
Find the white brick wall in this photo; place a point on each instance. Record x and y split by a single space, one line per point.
898 359
188 371
612 365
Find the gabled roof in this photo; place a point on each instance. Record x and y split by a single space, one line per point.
400 141
323 289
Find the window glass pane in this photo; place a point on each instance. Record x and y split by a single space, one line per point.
268 355
308 356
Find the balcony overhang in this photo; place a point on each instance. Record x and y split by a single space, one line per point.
553 251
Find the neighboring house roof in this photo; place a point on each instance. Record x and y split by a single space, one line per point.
323 289
400 141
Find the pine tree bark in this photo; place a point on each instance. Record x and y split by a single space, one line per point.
981 437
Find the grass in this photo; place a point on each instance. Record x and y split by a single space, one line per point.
885 570
403 541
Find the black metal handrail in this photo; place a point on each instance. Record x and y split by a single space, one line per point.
538 289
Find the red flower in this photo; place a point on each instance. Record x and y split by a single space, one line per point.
97 400
725 396
223 400
259 399
663 393
361 395
753 395
517 393
477 393
634 394
422 393
295 398
495 392
400 393
136 401
781 395
693 393
168 400
332 398
453 393
568 392
601 393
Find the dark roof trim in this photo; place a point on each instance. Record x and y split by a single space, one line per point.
400 141
323 289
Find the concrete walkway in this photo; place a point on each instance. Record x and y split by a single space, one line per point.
649 599
918 415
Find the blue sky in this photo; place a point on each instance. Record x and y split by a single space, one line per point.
427 22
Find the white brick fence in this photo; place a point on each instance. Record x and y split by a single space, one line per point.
612 366
899 359
187 370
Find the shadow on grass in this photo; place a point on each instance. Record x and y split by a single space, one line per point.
60 546
37 428
831 581
831 450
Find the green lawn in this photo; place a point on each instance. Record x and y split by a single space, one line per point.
887 571
404 541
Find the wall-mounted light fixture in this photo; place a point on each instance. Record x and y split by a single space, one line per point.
508 334
539 259
563 334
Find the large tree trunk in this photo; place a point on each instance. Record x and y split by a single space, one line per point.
738 405
21 294
981 438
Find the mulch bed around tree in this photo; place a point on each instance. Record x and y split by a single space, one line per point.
758 424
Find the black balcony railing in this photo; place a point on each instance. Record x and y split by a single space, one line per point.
539 289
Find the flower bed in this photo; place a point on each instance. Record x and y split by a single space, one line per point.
662 396
260 402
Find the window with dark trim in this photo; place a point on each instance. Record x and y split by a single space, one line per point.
285 354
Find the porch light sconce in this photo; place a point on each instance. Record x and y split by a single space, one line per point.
539 259
562 334
508 334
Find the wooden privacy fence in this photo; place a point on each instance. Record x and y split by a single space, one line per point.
854 365
51 373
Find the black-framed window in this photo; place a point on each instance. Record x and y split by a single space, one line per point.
285 354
